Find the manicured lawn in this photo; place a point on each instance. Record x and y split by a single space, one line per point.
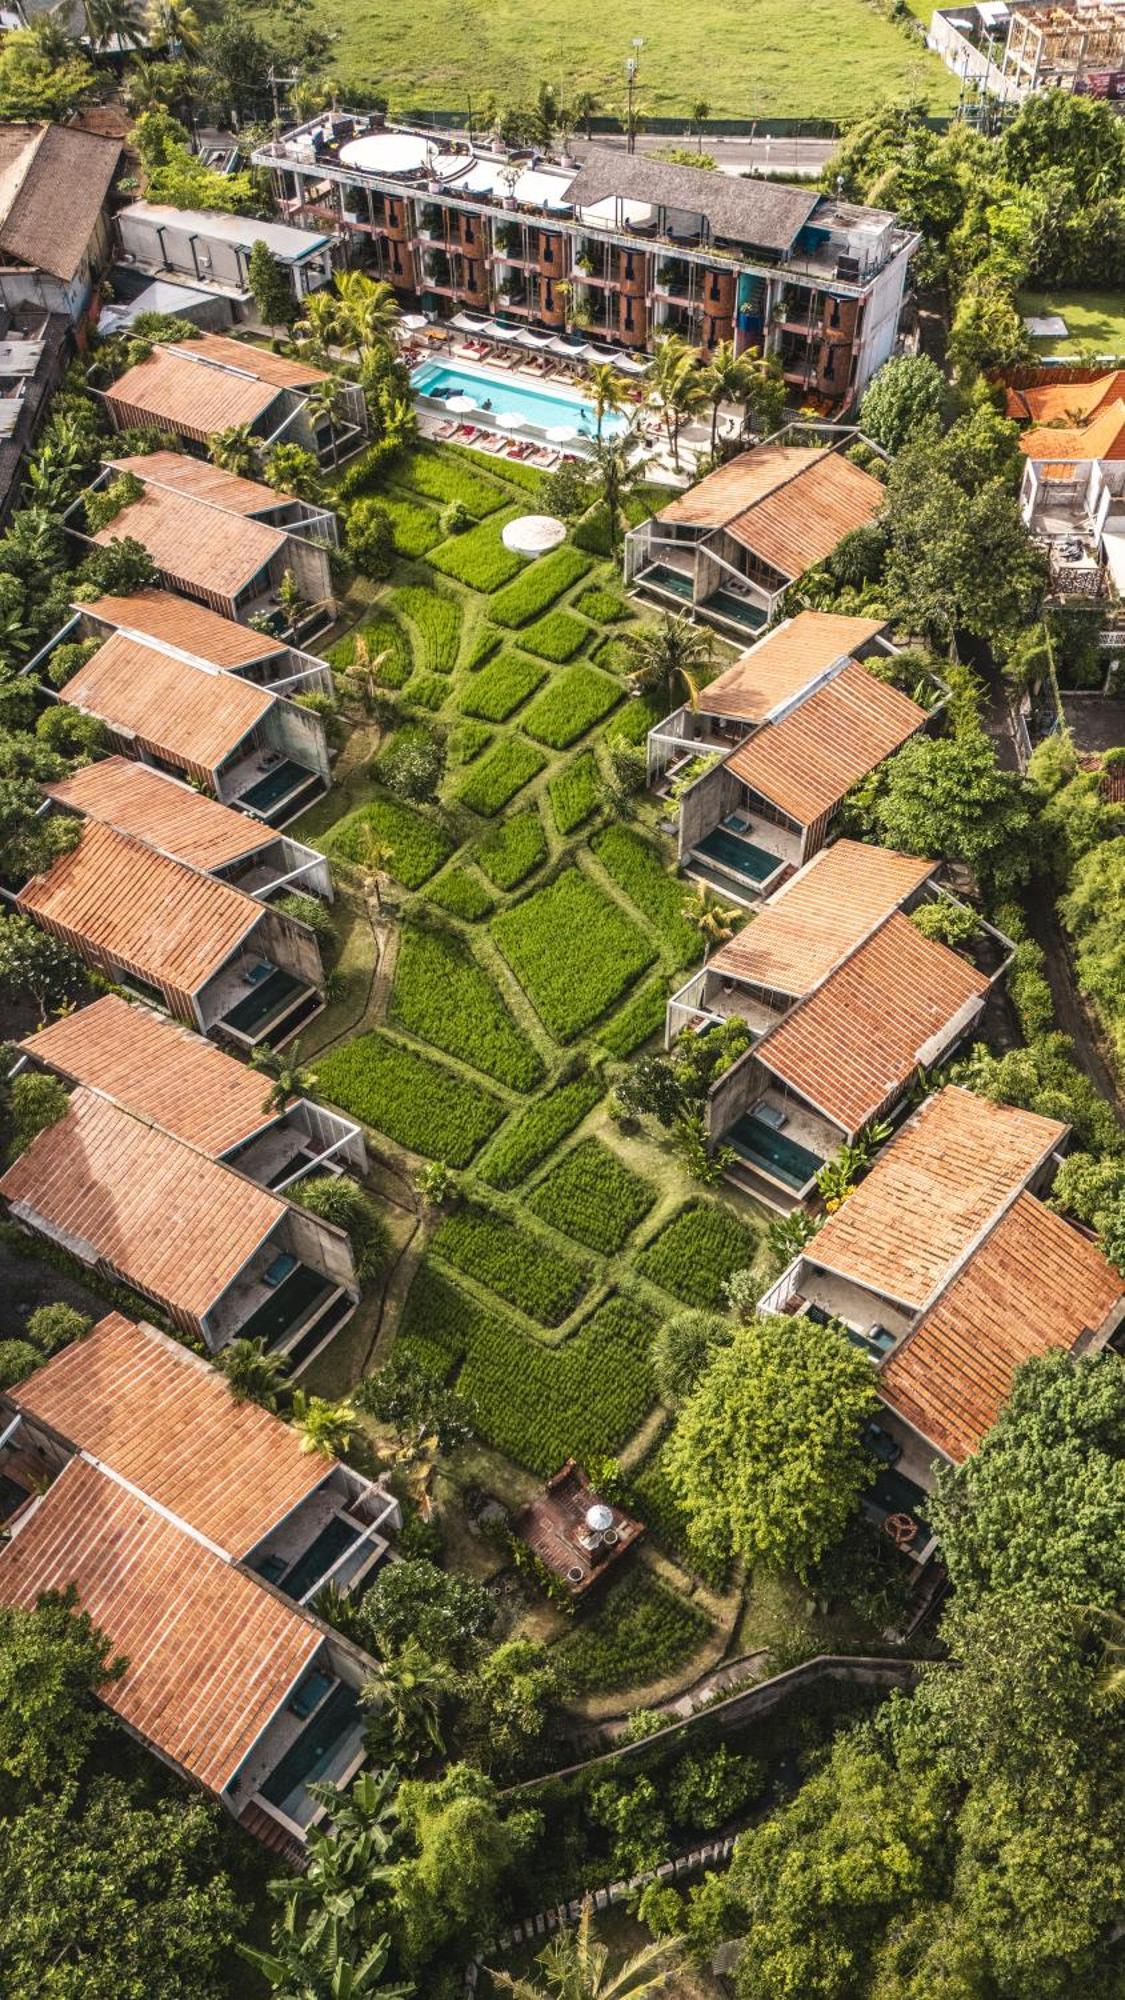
574 701
594 1197
418 846
643 872
421 1104
639 1632
437 616
536 1132
697 1252
575 792
479 557
499 776
539 586
524 1270
498 688
1095 321
510 851
444 997
572 950
746 58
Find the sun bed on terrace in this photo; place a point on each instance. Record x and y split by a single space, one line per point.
446 430
489 441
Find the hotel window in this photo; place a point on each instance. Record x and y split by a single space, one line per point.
467 228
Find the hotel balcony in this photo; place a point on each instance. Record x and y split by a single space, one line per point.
270 785
316 1739
254 1001
779 1146
307 1139
333 1538
708 999
292 1307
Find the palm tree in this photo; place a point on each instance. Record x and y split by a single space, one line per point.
234 450
576 1967
409 1689
324 407
364 671
676 386
291 601
716 920
367 311
287 1080
372 857
700 112
617 471
325 1427
607 391
728 381
109 21
671 654
317 328
586 107
174 28
254 1375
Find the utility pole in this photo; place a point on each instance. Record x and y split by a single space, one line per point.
631 67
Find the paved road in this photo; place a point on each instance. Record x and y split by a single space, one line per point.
802 159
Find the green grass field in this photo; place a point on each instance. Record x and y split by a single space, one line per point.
1095 321
747 58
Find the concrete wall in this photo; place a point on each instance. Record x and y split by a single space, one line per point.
704 804
178 249
311 568
287 726
289 945
734 1093
321 1245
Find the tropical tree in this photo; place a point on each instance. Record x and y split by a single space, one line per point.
324 403
683 1346
586 107
174 27
700 113
419 1408
676 386
270 284
727 378
53 1660
235 450
710 915
289 468
409 1690
372 857
255 1376
575 1966
616 470
906 400
324 1427
111 21
316 330
336 1198
670 657
367 312
291 601
32 962
332 1969
606 390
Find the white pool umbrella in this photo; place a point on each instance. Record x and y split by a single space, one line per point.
508 420
562 434
460 405
413 322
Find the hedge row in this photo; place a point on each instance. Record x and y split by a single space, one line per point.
510 851
538 1130
698 1251
539 586
594 1197
461 894
522 1270
418 846
641 1632
444 480
500 687
418 1103
478 559
443 996
574 701
499 776
642 872
575 792
539 1405
556 637
572 951
633 1023
437 617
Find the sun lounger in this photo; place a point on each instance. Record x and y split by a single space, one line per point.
490 442
548 460
446 430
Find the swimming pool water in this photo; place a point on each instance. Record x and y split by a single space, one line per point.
732 852
544 408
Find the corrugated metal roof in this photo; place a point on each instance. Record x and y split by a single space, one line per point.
134 684
161 811
942 1179
808 761
728 491
179 621
784 662
175 1223
167 922
165 1419
820 915
878 1018
159 1069
211 1654
1035 1284
800 523
181 473
199 543
168 385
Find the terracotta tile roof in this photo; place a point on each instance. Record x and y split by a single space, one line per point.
1035 1284
883 1014
1102 437
943 1178
193 628
280 369
820 915
808 761
165 1420
173 1222
169 385
54 182
784 662
801 522
161 811
166 922
183 709
735 486
198 544
211 1653
202 480
1070 403
1111 784
155 1067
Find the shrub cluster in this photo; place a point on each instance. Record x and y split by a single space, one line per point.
443 996
572 951
418 846
418 1103
594 1197
500 687
538 1130
479 559
510 851
640 870
499 776
461 894
526 1272
575 792
641 1016
575 700
641 1631
539 586
436 617
556 637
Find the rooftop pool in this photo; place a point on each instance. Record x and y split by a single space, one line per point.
542 409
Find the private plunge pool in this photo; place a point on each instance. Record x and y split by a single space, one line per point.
551 407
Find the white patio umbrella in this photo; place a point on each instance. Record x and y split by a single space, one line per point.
508 420
413 322
562 434
460 405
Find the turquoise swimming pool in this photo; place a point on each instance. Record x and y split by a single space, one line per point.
543 409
